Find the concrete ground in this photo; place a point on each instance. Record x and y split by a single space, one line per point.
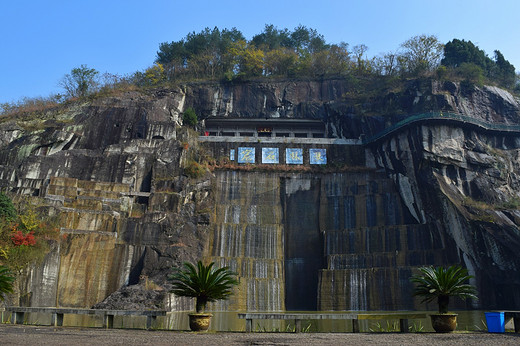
43 335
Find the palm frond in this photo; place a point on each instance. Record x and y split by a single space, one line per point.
435 282
206 282
6 281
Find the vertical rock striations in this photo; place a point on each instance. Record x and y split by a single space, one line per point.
347 237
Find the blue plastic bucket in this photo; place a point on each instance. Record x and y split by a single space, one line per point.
495 322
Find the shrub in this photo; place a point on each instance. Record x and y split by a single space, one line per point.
471 73
442 72
26 238
19 238
7 210
190 117
194 169
80 82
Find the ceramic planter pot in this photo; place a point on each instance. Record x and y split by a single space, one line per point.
199 322
444 323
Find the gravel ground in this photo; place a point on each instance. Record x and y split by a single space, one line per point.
42 335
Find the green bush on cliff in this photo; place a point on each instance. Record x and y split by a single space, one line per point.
194 169
189 117
471 73
7 210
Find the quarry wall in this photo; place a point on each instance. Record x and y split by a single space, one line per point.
342 236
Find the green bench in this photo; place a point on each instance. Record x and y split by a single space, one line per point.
18 314
355 317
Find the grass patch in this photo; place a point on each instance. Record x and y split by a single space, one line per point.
194 169
226 165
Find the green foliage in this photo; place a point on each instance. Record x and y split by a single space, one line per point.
25 239
441 284
416 328
6 281
442 72
503 71
387 64
204 283
513 203
281 62
272 38
422 53
199 53
308 40
457 52
301 40
226 55
471 73
189 117
7 209
394 327
152 76
80 82
250 60
474 64
288 329
389 328
334 61
194 169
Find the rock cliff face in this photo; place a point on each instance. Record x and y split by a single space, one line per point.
435 193
464 184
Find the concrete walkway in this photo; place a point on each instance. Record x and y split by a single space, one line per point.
38 335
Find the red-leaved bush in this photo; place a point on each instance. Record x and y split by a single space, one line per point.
19 238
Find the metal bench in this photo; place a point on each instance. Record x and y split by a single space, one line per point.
108 315
355 317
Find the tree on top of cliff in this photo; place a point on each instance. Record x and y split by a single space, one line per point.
302 40
226 53
80 82
503 71
422 53
303 52
457 52
207 50
467 59
272 38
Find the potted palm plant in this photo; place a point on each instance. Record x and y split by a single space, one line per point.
205 284
441 284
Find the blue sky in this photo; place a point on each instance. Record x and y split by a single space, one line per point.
42 40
